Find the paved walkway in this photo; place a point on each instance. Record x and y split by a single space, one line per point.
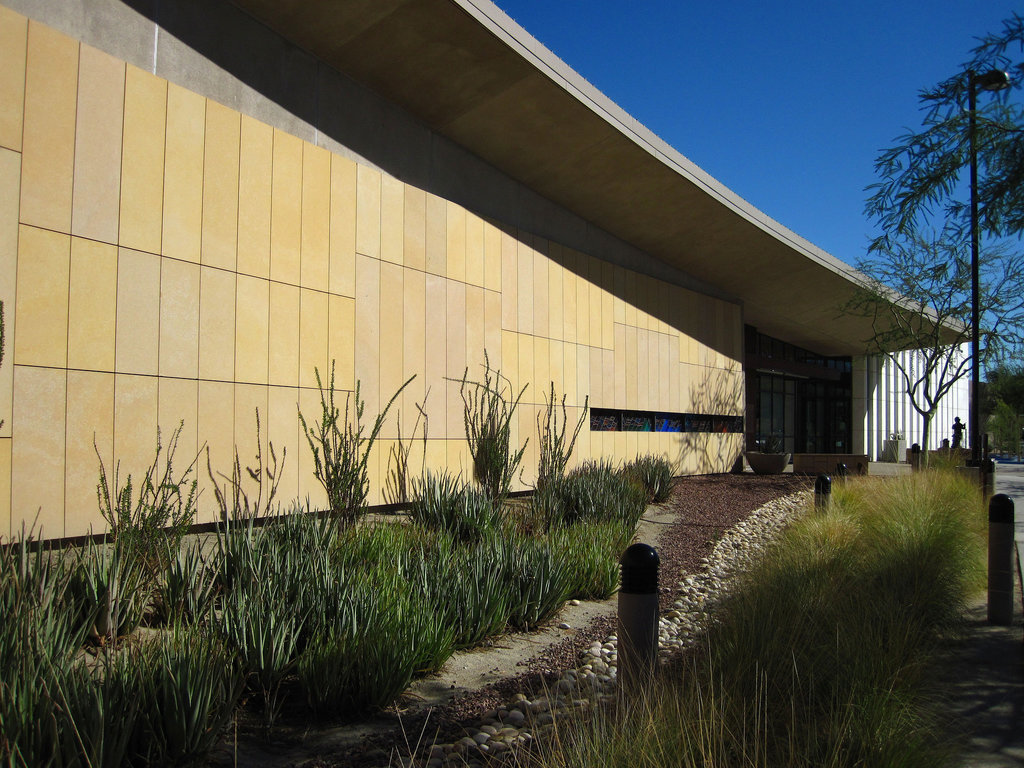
986 680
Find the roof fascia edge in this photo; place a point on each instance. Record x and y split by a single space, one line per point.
496 21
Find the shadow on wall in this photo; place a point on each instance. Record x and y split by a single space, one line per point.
720 392
301 94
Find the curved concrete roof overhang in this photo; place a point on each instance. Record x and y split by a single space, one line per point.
472 74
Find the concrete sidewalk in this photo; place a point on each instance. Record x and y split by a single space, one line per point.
985 681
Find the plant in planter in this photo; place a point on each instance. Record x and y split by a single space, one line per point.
771 459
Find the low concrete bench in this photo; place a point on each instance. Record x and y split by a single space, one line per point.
826 463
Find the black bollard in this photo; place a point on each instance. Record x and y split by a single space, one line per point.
988 477
842 471
1000 560
915 457
638 618
822 491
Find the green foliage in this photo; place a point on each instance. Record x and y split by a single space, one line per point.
469 593
112 588
592 551
488 409
555 450
341 449
233 501
822 652
443 502
594 491
1005 425
188 589
162 511
923 171
397 484
262 627
190 687
654 473
539 579
39 635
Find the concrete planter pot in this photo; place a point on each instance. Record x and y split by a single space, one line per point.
767 463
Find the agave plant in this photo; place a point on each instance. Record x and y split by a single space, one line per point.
112 589
654 473
263 629
443 502
189 587
189 689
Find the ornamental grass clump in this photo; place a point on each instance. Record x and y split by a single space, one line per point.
654 473
594 491
443 502
823 652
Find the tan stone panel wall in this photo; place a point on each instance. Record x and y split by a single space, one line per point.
166 261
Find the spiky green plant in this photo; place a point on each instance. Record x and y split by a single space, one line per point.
488 409
654 473
443 502
262 627
112 587
189 587
593 491
397 486
555 449
190 685
341 448
163 509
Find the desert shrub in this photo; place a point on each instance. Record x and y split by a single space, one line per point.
235 503
341 449
489 407
163 509
555 449
443 502
397 484
654 473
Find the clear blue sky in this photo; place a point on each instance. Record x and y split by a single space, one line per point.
786 103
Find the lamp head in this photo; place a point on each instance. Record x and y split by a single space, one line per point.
993 80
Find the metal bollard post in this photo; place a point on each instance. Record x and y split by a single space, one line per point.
842 471
915 457
988 477
638 618
822 491
1000 560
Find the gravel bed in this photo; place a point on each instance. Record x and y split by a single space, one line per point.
705 512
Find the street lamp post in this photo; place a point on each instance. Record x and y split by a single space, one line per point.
993 80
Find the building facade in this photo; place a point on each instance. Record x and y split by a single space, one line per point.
202 207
